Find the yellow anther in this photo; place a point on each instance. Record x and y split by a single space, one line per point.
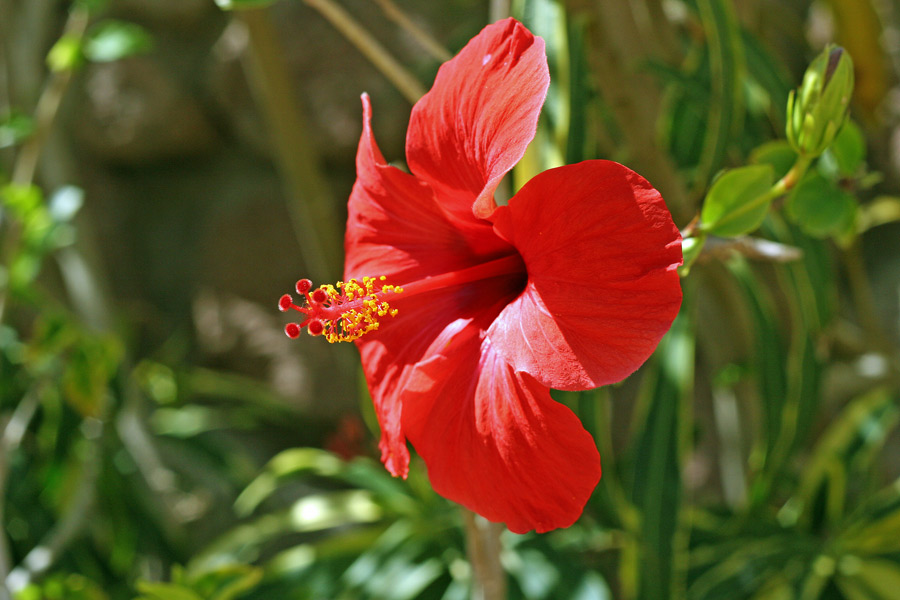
357 307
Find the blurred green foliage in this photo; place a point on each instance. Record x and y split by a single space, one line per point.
749 459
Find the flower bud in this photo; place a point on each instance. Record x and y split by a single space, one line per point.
817 110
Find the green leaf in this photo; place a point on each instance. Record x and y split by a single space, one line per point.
820 208
880 211
242 4
22 200
777 153
869 579
15 128
847 151
844 455
66 54
165 591
768 358
113 40
89 367
725 115
290 462
657 485
738 201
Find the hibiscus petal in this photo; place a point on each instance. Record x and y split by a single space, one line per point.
601 252
388 360
495 441
475 123
396 228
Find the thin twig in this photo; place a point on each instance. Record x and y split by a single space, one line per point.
402 79
314 219
48 106
483 546
11 438
27 159
431 45
751 247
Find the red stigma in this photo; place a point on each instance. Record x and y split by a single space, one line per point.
292 330
303 286
285 302
315 327
319 296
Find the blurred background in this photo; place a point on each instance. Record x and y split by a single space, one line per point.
169 168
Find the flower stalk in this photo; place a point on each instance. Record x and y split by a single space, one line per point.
483 546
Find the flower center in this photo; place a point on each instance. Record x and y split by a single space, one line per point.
346 311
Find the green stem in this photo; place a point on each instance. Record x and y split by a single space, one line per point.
792 177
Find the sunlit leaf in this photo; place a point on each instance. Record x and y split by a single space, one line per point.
15 128
66 54
114 40
737 202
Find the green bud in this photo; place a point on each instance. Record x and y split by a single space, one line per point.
817 110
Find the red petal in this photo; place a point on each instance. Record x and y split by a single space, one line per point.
388 359
473 126
601 252
396 228
495 441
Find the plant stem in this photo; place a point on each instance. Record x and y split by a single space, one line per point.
432 46
357 35
48 106
483 546
314 220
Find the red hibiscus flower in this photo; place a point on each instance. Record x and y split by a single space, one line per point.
478 309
